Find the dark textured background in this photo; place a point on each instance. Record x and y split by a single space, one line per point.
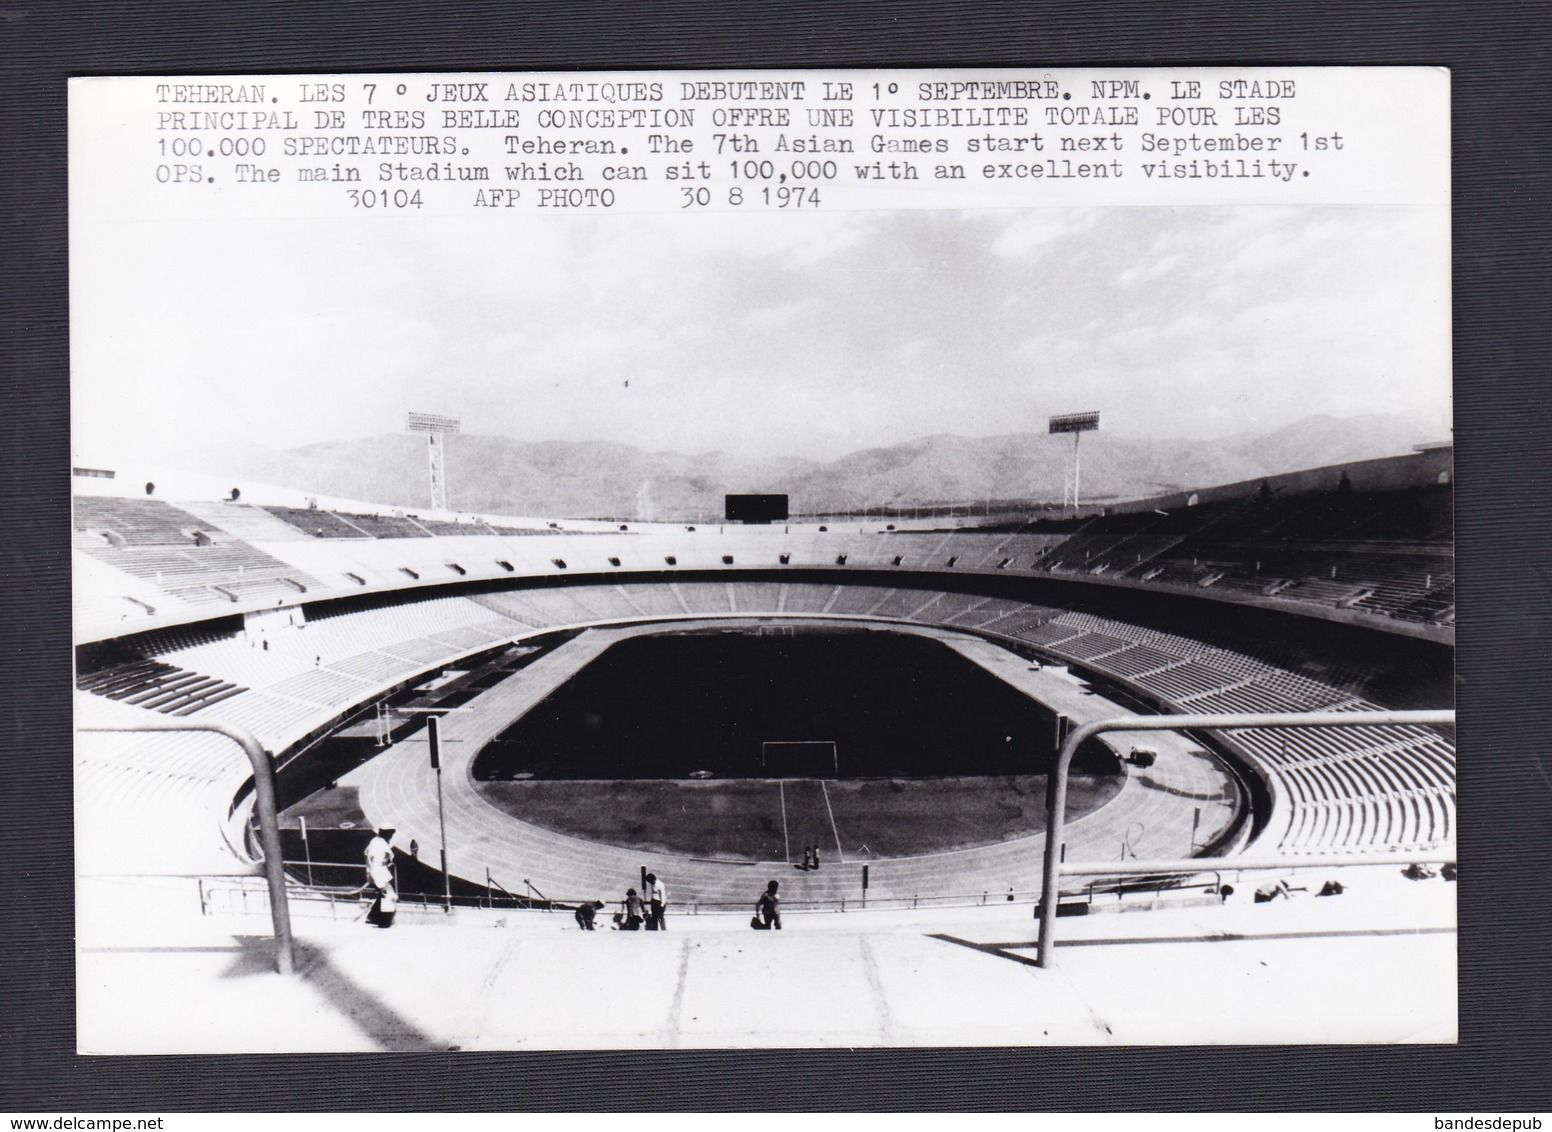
1499 54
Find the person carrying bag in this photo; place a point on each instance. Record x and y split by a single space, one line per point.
767 910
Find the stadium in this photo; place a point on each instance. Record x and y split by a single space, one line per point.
870 707
763 547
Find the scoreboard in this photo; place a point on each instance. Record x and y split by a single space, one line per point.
756 508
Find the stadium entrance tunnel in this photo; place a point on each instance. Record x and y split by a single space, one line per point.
793 704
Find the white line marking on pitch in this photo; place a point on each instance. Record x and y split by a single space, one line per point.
839 852
785 844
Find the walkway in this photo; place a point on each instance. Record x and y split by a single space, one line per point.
1374 965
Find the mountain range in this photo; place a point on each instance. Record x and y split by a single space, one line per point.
504 476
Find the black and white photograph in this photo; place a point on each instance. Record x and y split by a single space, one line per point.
746 560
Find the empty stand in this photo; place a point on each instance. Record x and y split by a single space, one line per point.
1347 790
319 524
1384 557
138 522
210 575
387 526
157 686
243 521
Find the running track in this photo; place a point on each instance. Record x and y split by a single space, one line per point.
1153 813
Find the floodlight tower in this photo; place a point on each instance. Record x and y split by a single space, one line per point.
435 428
1077 424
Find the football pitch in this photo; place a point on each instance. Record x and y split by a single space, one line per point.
775 820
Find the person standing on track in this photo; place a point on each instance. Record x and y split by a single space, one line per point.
657 899
379 875
768 908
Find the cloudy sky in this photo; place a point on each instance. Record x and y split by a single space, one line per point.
779 333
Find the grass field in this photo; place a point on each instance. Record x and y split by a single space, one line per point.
327 809
766 820
667 705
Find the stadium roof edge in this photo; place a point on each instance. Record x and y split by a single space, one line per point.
1425 466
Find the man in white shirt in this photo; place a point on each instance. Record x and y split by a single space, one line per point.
379 861
657 897
379 874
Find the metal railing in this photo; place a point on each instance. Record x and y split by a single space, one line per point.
1056 805
1125 883
1153 879
1054 866
247 888
1111 884
268 814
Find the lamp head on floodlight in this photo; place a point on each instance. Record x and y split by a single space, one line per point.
432 423
1075 422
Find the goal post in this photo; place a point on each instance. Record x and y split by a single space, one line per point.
800 758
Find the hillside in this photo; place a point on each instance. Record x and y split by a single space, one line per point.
601 478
